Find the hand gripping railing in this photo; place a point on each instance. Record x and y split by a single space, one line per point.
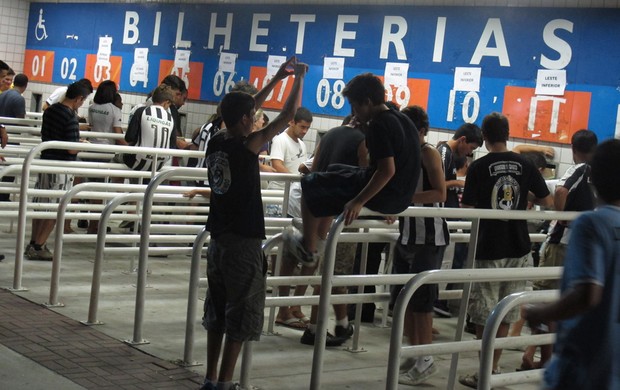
492 325
25 181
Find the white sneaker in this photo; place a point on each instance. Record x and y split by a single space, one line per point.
414 377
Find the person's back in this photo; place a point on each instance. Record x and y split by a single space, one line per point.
12 103
392 133
152 127
587 349
60 123
339 145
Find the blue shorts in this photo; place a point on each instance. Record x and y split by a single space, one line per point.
236 295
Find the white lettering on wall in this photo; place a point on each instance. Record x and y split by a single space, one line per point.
131 34
395 38
257 31
342 34
558 44
301 29
156 29
180 43
492 29
555 112
440 35
226 31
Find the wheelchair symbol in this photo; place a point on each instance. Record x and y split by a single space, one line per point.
39 31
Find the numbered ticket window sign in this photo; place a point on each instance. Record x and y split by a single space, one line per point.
227 62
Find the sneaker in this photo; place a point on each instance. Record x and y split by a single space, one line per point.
414 377
331 340
406 365
293 239
345 333
43 254
127 225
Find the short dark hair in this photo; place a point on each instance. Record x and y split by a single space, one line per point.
365 86
536 158
244 86
20 80
418 116
86 83
584 141
10 72
76 90
4 66
605 169
495 127
471 132
174 82
302 114
162 93
105 92
235 105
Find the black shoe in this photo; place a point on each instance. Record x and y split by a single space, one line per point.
82 223
331 340
345 333
1 257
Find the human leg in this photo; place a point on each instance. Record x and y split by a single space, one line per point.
229 359
214 347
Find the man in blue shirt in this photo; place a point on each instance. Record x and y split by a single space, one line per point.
587 350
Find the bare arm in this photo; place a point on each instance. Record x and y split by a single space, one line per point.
431 159
548 151
119 130
559 198
385 171
455 183
4 137
362 154
258 138
278 165
547 201
578 300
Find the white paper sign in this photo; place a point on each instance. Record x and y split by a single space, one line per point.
105 49
396 74
467 79
181 59
140 55
550 82
273 64
333 68
227 62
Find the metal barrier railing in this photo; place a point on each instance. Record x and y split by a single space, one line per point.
25 181
485 379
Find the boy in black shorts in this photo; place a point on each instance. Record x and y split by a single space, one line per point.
386 186
235 262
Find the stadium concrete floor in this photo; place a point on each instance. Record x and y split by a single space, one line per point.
64 360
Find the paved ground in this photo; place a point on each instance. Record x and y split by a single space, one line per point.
53 347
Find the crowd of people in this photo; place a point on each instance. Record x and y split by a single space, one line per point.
380 159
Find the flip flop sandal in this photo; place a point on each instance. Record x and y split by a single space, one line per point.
292 323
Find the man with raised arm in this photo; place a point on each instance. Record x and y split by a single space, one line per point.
236 265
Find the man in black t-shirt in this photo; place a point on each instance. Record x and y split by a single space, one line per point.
501 180
235 262
386 186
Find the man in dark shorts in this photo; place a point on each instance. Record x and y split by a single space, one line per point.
236 265
386 186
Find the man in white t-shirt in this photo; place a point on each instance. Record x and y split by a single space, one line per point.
288 150
59 93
